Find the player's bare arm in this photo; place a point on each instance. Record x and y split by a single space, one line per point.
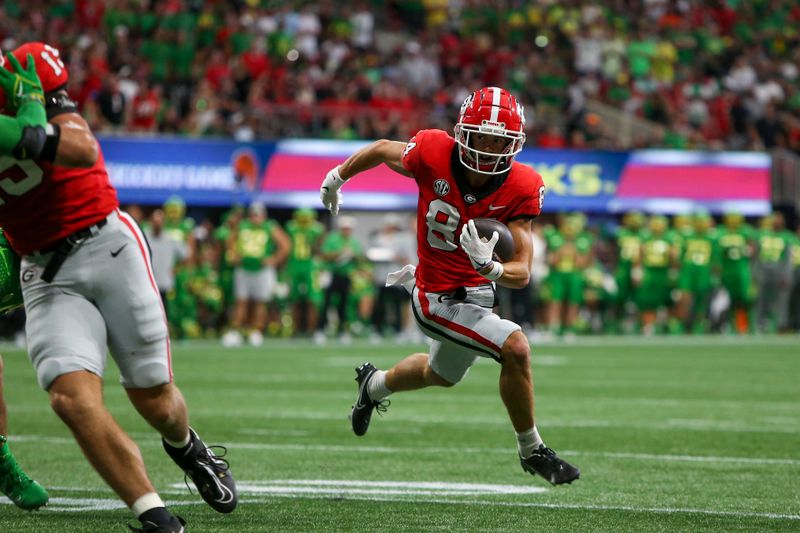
283 247
517 272
382 151
77 146
372 155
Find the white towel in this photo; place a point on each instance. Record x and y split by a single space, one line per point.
403 277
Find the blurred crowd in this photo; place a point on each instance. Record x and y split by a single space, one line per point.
705 73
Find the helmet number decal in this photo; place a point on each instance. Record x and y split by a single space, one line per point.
18 176
541 197
442 219
52 57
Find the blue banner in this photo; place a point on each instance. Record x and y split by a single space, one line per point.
288 174
576 180
202 172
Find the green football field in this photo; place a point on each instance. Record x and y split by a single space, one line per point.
671 434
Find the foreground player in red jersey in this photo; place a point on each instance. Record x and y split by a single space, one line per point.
87 285
471 176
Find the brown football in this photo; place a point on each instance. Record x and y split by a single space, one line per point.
504 249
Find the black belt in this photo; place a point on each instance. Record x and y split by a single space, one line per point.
62 248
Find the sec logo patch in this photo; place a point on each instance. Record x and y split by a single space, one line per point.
441 187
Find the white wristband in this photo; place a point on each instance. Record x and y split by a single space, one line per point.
333 181
496 271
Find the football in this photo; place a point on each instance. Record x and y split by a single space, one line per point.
504 249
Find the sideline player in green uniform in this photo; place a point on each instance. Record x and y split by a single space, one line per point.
204 285
222 235
736 250
341 251
657 258
599 294
179 226
259 246
14 482
699 258
302 269
569 252
629 246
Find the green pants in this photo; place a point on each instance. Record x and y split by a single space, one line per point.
738 282
566 287
654 291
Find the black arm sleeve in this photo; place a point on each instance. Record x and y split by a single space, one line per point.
57 103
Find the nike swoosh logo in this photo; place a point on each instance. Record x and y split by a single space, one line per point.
495 207
115 254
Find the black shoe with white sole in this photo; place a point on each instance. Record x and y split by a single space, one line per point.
544 462
210 472
361 412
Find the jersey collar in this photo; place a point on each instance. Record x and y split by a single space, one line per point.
469 195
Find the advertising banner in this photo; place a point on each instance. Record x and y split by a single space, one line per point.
673 181
575 180
288 174
148 170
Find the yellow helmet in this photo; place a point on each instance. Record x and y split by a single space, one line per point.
702 221
658 224
633 220
733 219
174 208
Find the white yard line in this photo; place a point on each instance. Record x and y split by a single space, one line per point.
390 491
353 448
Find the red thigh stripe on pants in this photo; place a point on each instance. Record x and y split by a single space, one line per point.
140 240
453 326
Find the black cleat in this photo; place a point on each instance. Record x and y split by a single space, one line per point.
362 410
210 473
175 525
546 463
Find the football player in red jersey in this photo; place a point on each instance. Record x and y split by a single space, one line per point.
87 287
470 176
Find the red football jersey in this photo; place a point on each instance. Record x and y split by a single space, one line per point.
41 203
446 203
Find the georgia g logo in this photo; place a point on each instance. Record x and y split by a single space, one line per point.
441 187
28 274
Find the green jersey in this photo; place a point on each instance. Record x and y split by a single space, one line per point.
699 250
734 246
630 245
304 241
347 248
205 284
179 230
657 251
254 243
772 246
571 249
678 237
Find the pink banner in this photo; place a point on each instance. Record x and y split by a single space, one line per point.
288 172
695 182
